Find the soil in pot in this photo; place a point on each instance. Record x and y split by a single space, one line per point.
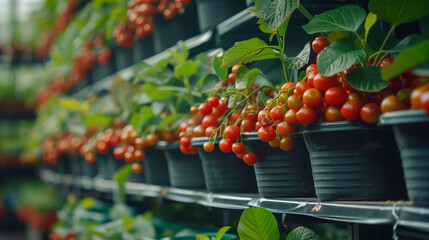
353 161
283 174
224 172
185 170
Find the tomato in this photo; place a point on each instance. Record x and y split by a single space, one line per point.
333 114
194 110
306 116
247 125
232 133
404 96
209 131
416 96
385 62
285 129
294 102
208 146
89 157
395 84
213 101
310 79
118 152
351 110
312 98
199 131
424 101
185 141
319 44
370 113
231 78
129 156
151 139
312 68
301 87
276 113
205 109
262 114
275 142
139 155
286 144
234 117
287 86
391 103
136 168
223 106
321 109
270 102
266 133
250 158
238 148
235 68
225 145
323 83
356 96
185 150
101 147
290 116
335 96
257 126
209 120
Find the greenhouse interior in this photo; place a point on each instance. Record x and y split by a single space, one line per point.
214 119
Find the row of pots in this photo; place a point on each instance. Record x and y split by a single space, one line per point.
333 161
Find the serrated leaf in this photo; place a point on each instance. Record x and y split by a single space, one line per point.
209 83
257 224
397 12
300 60
346 18
247 51
370 20
275 12
339 56
302 233
222 232
409 58
221 72
367 79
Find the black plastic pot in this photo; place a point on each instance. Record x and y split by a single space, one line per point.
411 130
185 170
107 165
181 27
212 12
63 164
225 173
100 72
282 174
352 161
123 57
143 48
155 167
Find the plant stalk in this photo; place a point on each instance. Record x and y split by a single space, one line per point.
384 43
305 12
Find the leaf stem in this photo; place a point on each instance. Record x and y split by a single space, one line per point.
384 42
305 12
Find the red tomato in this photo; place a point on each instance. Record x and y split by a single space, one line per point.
335 96
319 44
312 98
238 148
285 129
232 133
370 112
351 110
333 114
266 133
286 144
306 116
250 158
323 83
225 145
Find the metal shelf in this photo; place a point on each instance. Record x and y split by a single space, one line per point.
364 212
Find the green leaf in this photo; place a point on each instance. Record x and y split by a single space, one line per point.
300 60
211 81
121 177
409 58
302 233
221 72
275 12
186 69
302 75
337 35
346 18
376 37
257 224
177 123
408 41
367 79
339 56
222 232
397 12
69 103
97 120
151 90
263 26
144 70
140 228
246 78
201 237
247 51
370 20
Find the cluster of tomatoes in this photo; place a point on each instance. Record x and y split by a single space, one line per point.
67 143
140 16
